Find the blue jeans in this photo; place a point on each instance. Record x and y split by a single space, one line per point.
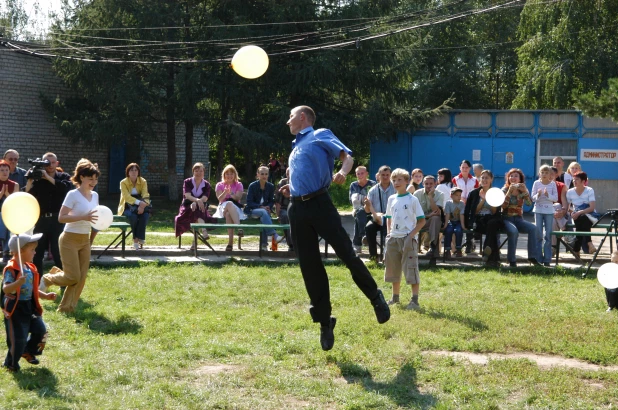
453 227
138 223
513 226
544 241
264 216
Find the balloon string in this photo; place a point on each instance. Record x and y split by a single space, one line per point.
21 266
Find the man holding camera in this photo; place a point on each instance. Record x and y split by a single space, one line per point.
49 187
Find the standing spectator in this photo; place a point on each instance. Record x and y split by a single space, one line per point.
50 191
273 167
544 194
515 196
281 204
312 213
134 203
77 212
467 183
7 187
477 169
429 199
260 203
404 219
561 176
357 194
444 185
16 173
377 197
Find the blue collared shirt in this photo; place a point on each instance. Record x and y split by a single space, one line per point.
312 160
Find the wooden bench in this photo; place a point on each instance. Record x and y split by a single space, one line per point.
560 238
119 223
197 234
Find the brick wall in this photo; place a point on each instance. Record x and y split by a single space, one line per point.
25 125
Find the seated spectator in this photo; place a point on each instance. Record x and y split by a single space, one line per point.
357 194
260 203
229 193
516 196
429 199
134 203
483 218
16 173
444 184
281 205
581 201
377 197
7 187
477 169
454 220
194 206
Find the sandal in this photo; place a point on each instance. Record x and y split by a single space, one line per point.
241 233
229 248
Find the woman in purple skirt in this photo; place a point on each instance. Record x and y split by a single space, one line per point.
194 207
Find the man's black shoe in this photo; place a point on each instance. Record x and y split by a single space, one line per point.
327 337
383 312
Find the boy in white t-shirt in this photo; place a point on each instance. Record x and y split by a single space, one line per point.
404 219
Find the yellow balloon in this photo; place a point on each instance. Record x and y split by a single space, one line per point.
250 62
20 211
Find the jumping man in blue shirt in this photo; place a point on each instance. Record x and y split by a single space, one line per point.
313 214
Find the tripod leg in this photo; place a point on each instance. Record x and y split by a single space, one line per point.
594 257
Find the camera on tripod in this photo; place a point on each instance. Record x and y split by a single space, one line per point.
38 165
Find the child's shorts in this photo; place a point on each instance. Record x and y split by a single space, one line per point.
401 255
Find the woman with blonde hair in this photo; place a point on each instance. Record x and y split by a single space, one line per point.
573 168
194 206
229 193
77 212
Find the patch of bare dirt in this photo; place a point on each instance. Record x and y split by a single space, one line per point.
543 361
210 369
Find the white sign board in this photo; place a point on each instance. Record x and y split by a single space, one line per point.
476 155
599 154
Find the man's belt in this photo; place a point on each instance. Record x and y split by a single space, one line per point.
309 196
49 215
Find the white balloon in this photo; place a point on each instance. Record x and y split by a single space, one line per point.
495 197
20 211
250 62
608 275
105 217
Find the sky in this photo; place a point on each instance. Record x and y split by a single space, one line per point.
38 11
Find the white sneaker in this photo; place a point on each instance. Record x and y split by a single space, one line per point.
413 306
278 238
136 245
264 248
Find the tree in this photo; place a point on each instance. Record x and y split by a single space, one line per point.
604 105
569 48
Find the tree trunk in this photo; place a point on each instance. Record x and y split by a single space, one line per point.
188 148
171 136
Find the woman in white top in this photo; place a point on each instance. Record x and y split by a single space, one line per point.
544 194
582 201
77 213
444 184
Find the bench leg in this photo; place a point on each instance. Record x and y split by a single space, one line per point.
124 237
195 243
112 243
205 242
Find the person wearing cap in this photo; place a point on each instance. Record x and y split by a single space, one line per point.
49 192
26 332
313 214
453 223
7 187
77 212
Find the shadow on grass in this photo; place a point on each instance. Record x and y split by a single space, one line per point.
38 379
100 324
522 270
473 324
402 390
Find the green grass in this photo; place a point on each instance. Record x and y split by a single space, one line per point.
157 336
